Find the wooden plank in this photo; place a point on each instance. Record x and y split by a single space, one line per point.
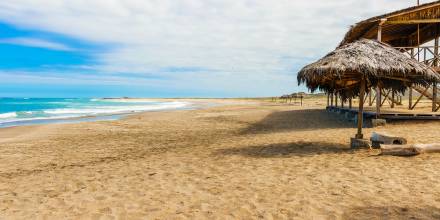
416 21
414 10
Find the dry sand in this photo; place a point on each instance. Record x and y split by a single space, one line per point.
240 161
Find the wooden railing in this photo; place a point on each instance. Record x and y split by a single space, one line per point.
426 54
430 56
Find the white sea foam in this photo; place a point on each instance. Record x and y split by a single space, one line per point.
8 115
68 113
116 109
125 100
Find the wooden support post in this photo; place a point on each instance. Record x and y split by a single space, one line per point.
328 99
378 101
379 32
392 98
350 103
302 100
378 93
366 97
410 97
370 102
424 56
342 103
418 42
436 49
331 99
434 86
434 97
336 99
360 119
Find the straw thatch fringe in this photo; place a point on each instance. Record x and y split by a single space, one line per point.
379 64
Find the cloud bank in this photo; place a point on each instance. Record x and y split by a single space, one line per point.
233 47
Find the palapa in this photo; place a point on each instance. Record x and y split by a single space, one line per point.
353 68
379 64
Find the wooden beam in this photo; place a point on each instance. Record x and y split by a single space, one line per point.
416 21
378 101
374 97
386 96
379 33
420 97
328 99
331 99
436 47
414 10
397 78
370 102
365 99
410 95
392 98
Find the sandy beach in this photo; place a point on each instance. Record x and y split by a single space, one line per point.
239 160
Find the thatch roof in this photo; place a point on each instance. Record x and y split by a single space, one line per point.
399 28
378 63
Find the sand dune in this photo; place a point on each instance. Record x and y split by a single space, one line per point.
240 161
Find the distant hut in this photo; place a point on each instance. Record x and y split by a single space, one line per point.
353 68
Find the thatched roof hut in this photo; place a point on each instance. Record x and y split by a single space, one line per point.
354 67
379 64
403 28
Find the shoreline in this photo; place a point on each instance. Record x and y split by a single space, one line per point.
192 104
11 133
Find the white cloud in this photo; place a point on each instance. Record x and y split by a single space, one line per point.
35 42
246 43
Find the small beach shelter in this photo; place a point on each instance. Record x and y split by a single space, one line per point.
353 68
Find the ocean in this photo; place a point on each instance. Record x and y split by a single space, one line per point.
27 111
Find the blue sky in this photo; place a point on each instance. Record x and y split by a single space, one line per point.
169 48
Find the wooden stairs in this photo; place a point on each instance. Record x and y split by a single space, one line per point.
425 92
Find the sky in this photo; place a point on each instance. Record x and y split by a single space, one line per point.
169 48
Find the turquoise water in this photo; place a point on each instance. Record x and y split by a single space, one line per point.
24 111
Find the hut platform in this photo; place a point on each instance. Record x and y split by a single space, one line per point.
389 116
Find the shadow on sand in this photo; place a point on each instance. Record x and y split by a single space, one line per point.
287 150
298 120
392 212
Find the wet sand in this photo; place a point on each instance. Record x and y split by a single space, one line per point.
243 160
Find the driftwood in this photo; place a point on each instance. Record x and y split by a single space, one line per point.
378 139
409 150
